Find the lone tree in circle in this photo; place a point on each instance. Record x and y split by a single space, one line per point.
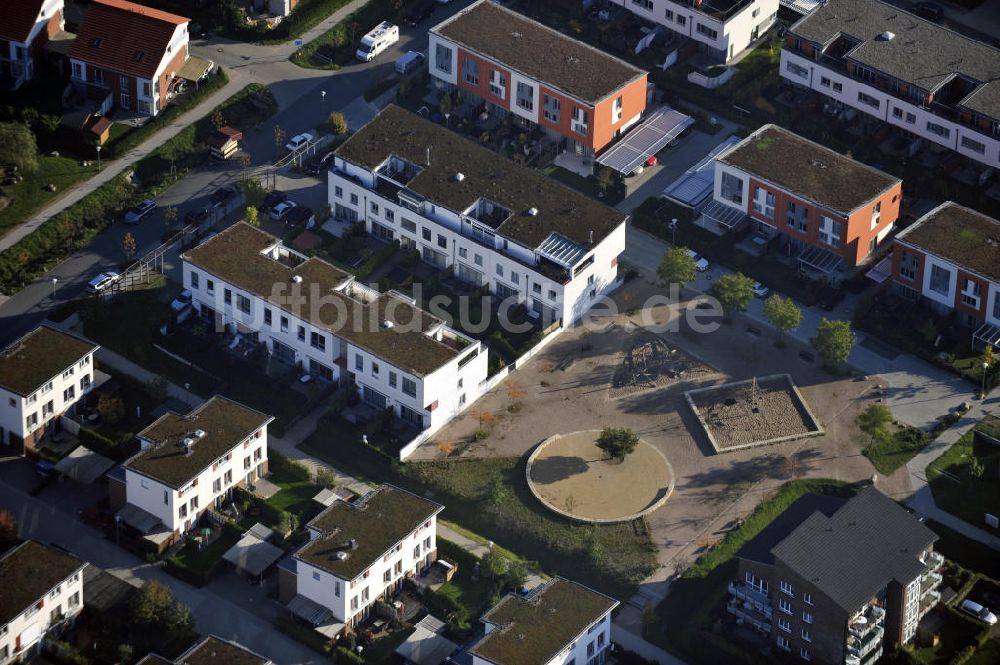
617 442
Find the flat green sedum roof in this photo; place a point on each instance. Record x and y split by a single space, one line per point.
40 355
531 631
967 238
375 523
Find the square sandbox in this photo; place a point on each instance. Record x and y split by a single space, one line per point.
754 412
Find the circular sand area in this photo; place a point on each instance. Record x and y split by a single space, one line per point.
569 474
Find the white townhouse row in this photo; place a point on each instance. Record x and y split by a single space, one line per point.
361 551
43 375
558 623
527 238
722 28
41 593
860 54
190 463
309 313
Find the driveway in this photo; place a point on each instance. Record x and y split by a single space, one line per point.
224 608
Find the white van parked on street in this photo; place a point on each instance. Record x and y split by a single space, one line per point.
380 38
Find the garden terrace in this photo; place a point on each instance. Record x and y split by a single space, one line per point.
28 572
168 461
364 530
486 174
808 169
542 53
965 237
531 630
43 353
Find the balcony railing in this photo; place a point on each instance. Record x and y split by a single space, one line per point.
864 645
750 594
751 615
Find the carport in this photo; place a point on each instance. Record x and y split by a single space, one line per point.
309 610
987 334
695 186
425 645
194 69
882 270
84 465
819 259
720 218
651 136
252 555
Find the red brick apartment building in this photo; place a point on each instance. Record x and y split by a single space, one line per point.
27 27
829 210
542 77
130 51
950 259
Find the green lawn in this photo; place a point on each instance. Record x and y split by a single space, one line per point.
686 622
895 451
956 633
30 194
957 491
463 599
988 654
197 566
297 489
590 185
491 498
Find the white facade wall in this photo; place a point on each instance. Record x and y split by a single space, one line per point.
947 299
451 75
991 296
344 597
535 111
15 410
721 168
823 80
508 266
732 36
25 631
202 492
575 651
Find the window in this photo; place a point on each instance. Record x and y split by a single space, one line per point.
973 145
375 369
442 58
69 394
227 297
865 98
284 324
77 70
806 636
536 288
426 234
552 294
389 215
300 334
797 69
668 14
194 280
354 199
354 604
804 653
125 100
785 625
478 259
911 118
580 120
830 231
786 588
498 84
392 379
681 19
784 606
590 650
470 71
336 589
442 242
807 617
996 306
374 208
797 216
525 96
824 81
387 576
551 108
940 281
876 214
68 373
48 409
499 270
267 316
514 277
408 225
359 362
338 192
756 583
217 485
316 575
317 341
99 76
616 111
463 253
47 387
166 498
838 87
31 421
763 202
731 188
783 643
807 598
707 31
897 112
210 285
243 303
971 293
940 130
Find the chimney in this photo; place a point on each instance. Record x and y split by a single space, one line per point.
428 163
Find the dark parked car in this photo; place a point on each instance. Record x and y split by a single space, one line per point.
420 12
929 11
273 198
222 196
319 165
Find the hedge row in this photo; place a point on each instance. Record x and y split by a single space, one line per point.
79 224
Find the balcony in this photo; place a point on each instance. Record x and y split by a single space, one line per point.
929 582
750 594
862 646
934 561
747 613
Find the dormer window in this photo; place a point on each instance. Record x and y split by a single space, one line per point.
139 56
96 42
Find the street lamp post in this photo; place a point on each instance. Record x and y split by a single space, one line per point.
982 392
98 159
673 231
322 94
55 280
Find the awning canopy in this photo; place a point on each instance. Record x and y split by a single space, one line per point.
84 465
882 270
142 521
723 215
253 555
802 7
987 334
692 188
425 646
194 69
820 259
309 610
647 139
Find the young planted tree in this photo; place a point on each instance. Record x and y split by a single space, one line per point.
170 216
337 123
128 246
677 267
617 442
833 341
218 120
19 148
782 313
875 421
252 216
734 292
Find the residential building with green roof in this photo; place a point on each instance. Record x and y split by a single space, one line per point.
43 376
